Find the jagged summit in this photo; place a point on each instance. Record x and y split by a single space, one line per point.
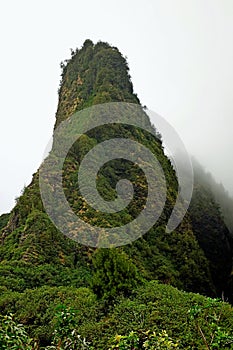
94 74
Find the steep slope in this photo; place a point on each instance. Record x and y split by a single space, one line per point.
34 253
211 216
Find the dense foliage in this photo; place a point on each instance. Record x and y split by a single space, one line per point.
154 314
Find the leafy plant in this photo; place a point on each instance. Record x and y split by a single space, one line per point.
65 336
144 340
13 335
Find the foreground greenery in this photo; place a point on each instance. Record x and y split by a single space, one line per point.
154 316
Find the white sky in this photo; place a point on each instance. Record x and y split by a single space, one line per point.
180 54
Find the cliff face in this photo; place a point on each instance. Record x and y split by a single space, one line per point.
34 253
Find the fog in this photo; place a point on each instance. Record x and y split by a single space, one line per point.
224 200
180 54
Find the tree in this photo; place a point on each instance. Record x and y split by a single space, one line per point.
114 273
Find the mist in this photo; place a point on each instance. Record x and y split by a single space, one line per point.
221 196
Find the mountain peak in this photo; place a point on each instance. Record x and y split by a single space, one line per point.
97 73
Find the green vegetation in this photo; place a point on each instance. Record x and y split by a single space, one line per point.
212 235
153 314
58 294
13 336
114 274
